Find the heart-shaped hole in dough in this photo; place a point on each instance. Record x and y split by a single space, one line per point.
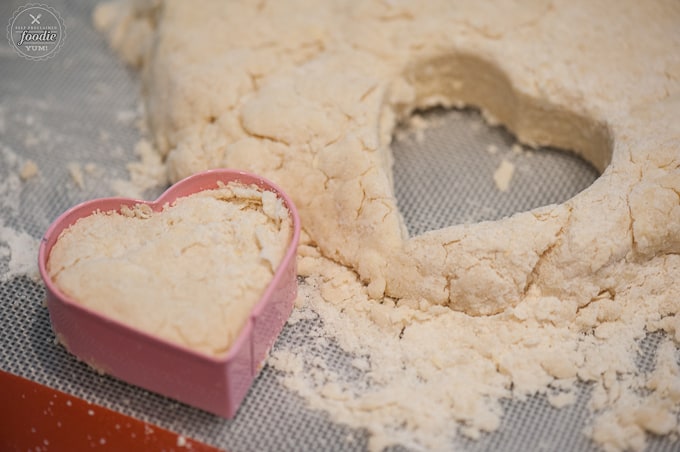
452 167
481 268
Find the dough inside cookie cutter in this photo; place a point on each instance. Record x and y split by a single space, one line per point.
215 384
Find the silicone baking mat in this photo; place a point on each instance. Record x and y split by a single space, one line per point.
75 115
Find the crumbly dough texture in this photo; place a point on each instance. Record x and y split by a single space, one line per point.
311 99
189 273
308 94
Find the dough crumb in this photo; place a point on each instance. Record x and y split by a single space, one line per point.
503 175
562 399
76 173
28 170
91 168
414 128
417 124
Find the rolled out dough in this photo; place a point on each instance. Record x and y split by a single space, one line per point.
308 94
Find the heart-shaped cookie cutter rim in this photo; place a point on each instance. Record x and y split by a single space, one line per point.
205 180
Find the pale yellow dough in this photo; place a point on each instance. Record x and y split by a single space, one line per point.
310 100
190 273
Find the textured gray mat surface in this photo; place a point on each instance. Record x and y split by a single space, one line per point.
79 108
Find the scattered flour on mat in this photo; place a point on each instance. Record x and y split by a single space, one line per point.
18 254
418 369
146 173
11 178
18 250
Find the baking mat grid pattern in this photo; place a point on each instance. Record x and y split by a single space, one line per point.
79 108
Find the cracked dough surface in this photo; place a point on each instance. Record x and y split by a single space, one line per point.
190 273
311 99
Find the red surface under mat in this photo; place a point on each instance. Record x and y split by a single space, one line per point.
38 418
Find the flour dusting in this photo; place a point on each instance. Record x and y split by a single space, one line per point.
416 369
18 252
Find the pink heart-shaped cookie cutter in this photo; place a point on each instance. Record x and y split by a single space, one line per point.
214 384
